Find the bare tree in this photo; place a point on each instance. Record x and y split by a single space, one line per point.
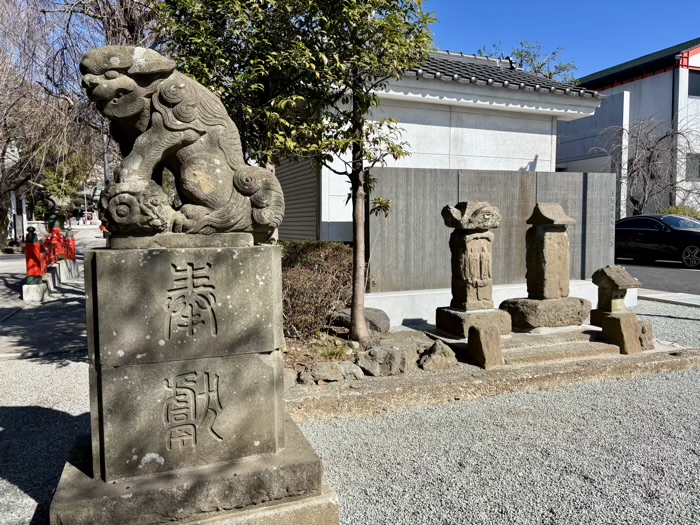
653 161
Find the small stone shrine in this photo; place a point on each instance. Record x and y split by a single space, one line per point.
184 318
547 274
471 247
620 326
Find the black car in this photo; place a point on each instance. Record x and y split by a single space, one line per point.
652 237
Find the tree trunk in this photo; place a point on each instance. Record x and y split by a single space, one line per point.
4 224
358 324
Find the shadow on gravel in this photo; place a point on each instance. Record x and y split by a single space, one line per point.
34 446
52 332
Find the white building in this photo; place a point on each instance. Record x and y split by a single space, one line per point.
662 90
458 111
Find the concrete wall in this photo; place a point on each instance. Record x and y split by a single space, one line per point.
409 249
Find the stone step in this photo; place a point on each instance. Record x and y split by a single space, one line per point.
520 340
558 352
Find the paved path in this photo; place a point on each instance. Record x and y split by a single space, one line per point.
52 328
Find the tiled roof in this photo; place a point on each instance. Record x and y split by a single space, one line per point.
653 61
497 73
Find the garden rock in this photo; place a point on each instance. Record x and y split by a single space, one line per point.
350 370
377 321
438 357
323 371
388 361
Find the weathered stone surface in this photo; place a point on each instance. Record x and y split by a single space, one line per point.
190 494
457 322
484 347
388 361
290 378
549 213
622 329
614 277
547 262
377 320
324 371
613 283
180 240
159 417
527 314
471 216
438 357
323 509
646 335
350 370
161 117
170 304
472 277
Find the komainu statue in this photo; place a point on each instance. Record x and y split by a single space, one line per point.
162 119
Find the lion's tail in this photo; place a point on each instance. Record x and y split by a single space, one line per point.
263 213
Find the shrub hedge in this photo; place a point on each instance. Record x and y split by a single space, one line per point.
316 282
682 210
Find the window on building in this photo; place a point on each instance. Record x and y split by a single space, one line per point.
692 167
694 83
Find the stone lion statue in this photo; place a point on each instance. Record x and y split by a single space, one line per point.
162 119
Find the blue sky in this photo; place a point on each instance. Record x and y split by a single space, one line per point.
596 35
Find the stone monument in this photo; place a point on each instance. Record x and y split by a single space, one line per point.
184 317
471 247
547 274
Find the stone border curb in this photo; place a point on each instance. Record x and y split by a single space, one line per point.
380 395
682 299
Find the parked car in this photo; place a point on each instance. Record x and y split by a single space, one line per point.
653 237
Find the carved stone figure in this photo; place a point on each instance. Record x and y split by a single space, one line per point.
471 248
162 119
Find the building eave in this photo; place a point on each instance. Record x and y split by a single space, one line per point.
510 99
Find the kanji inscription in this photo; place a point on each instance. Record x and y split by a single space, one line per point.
191 301
193 406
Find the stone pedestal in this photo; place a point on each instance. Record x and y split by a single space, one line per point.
458 322
527 314
186 385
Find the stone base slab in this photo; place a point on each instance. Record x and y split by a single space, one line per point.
527 314
458 322
187 495
323 509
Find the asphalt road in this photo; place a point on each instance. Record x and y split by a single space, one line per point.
666 276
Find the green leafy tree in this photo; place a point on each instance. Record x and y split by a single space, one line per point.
301 78
533 58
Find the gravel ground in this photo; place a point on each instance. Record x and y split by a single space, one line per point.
624 452
672 322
